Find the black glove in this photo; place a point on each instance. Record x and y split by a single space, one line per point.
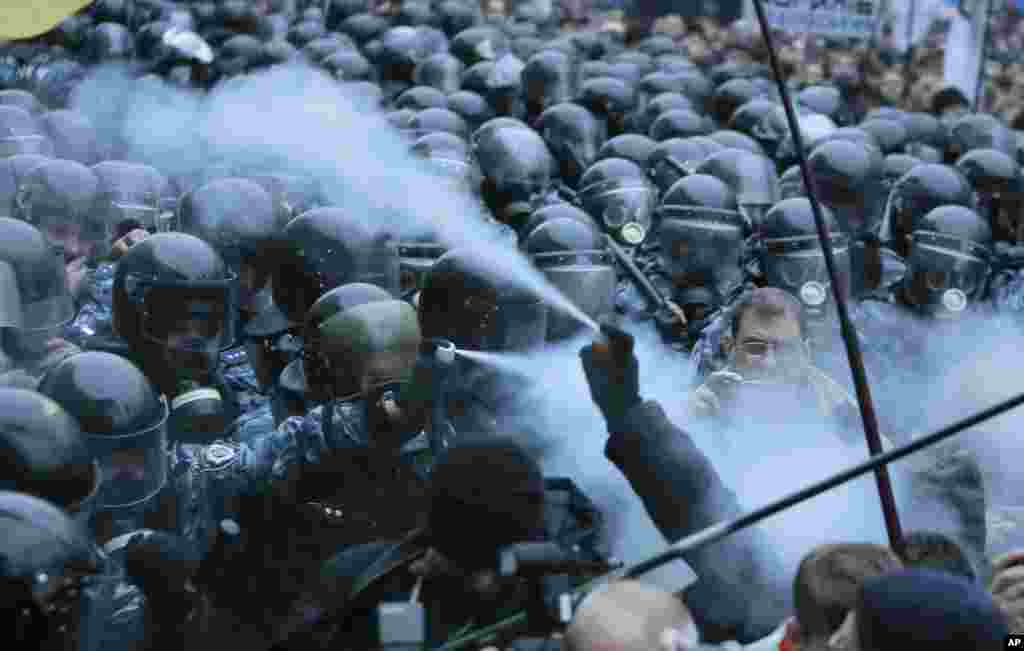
430 379
613 374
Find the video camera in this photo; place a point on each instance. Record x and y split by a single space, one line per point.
548 571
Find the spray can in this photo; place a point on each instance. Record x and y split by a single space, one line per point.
613 345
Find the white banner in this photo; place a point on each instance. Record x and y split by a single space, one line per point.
850 18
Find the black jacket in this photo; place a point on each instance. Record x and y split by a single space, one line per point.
734 597
359 578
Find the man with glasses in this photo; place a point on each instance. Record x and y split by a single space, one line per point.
769 364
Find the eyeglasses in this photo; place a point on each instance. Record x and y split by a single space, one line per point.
785 349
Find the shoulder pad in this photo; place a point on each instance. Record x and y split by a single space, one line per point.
219 455
234 357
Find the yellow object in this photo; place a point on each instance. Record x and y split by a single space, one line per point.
27 18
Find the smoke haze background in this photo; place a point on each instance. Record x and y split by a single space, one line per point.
294 119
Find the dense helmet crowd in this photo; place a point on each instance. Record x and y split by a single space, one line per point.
237 409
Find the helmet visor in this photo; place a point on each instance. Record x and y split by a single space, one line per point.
133 466
587 278
700 241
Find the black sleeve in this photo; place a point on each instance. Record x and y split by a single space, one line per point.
735 596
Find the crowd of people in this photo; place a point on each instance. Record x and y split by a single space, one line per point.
235 408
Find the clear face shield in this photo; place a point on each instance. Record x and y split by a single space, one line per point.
625 208
797 265
416 260
133 466
25 144
587 278
35 302
700 243
191 323
945 274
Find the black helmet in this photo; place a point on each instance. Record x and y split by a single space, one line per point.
109 42
517 165
131 192
364 27
173 304
772 131
236 217
20 133
925 129
631 146
72 136
978 131
674 158
12 170
473 108
618 194
891 135
574 136
52 573
659 83
747 117
326 248
814 129
549 78
57 193
34 297
574 257
791 257
358 337
731 95
320 48
644 117
948 261
22 99
348 65
895 166
437 120
701 233
499 83
476 44
305 32
751 177
450 157
730 139
457 16
475 311
679 123
124 421
611 100
848 178
441 71
996 179
922 189
46 454
791 183
827 100
418 98
291 194
555 211
590 69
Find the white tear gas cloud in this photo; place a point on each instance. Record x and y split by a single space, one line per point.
295 119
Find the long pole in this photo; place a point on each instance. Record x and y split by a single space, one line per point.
908 63
860 381
979 89
718 531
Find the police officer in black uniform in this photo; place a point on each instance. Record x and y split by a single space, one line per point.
319 250
463 303
35 305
